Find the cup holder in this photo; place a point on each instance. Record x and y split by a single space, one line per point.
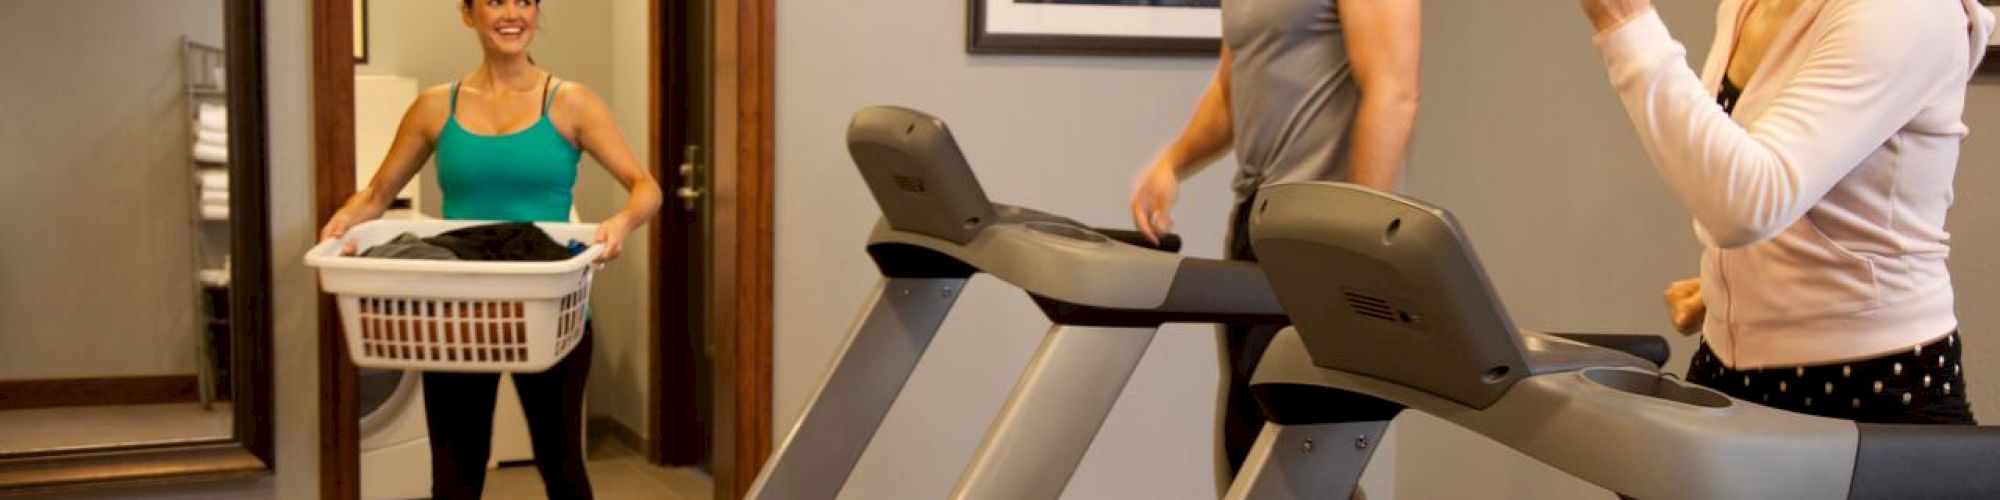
1650 385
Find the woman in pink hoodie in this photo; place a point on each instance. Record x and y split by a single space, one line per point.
1816 151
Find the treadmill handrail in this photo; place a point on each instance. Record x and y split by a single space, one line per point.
1170 242
1653 348
1092 278
1101 273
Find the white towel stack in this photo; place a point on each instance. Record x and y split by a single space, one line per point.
214 193
211 133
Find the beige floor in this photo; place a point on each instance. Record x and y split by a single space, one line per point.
46 429
616 473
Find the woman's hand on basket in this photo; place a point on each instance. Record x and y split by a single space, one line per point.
611 234
337 226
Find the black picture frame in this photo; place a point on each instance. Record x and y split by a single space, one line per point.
248 452
1992 49
979 41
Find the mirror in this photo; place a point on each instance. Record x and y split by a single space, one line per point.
132 287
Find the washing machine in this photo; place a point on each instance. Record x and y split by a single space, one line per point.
395 445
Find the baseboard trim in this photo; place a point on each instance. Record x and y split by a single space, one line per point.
99 391
603 429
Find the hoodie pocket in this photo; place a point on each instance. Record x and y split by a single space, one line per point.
1801 273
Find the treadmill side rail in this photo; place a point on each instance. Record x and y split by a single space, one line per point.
1933 462
816 458
1633 444
1300 462
1038 439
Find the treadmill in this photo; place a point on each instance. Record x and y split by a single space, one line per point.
1392 309
1106 292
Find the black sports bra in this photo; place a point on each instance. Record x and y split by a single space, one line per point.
1728 95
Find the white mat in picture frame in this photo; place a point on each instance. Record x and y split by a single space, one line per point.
1192 27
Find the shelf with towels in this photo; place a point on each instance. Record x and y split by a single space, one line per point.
212 194
203 79
214 277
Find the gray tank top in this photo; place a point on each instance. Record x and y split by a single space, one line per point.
1292 92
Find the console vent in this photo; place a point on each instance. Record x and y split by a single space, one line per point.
1371 306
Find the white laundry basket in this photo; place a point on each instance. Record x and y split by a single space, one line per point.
447 315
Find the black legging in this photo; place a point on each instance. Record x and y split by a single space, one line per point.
1242 418
1921 385
459 410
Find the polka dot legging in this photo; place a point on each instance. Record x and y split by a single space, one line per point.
1922 385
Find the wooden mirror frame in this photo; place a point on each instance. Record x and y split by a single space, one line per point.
248 451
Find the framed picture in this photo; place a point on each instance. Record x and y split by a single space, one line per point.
1993 42
360 31
1138 27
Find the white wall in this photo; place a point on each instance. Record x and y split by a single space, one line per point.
97 141
620 375
601 44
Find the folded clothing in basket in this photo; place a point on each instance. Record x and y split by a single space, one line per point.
514 241
409 246
509 241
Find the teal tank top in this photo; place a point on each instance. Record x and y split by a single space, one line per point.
525 176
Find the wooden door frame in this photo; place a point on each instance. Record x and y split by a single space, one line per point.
741 248
742 286
333 182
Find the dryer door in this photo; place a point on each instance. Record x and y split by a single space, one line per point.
391 407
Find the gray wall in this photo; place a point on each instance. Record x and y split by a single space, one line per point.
1520 135
1975 261
1063 134
295 288
1526 143
426 40
1574 225
99 274
1522 138
995 133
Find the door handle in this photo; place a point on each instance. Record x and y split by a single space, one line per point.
689 194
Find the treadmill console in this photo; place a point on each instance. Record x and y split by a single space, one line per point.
1386 287
917 174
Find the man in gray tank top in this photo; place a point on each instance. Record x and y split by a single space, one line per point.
1306 90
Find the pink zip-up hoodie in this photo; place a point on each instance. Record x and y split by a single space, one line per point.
1820 203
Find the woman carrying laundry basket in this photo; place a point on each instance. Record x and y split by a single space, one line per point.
507 138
